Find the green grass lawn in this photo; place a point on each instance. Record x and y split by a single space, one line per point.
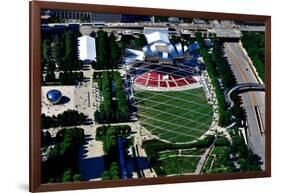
177 116
179 165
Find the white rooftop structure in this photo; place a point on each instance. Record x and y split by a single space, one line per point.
87 48
157 37
133 55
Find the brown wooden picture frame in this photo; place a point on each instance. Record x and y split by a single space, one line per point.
35 95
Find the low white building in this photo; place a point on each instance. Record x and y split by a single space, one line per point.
87 48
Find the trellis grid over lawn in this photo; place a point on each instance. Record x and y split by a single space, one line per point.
176 116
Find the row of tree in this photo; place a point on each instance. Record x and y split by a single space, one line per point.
70 78
67 118
60 52
122 108
62 161
222 79
65 78
115 106
112 173
211 66
108 51
108 135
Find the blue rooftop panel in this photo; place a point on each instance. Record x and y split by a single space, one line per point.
194 46
208 43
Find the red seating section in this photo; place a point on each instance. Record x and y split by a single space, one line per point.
156 79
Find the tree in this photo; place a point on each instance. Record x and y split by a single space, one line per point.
62 162
67 176
58 50
46 51
108 52
102 49
93 34
50 77
112 110
76 177
71 51
199 39
51 66
125 41
253 42
143 40
114 171
122 103
110 140
97 117
175 39
67 118
45 138
161 18
70 78
113 52
106 175
69 46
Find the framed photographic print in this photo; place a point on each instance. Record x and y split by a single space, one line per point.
123 96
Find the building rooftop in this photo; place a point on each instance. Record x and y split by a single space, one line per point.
87 48
192 47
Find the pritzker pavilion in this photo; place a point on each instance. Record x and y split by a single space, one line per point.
160 64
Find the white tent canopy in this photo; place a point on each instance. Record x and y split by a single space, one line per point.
87 48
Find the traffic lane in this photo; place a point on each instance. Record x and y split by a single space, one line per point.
239 63
255 99
246 62
234 67
255 137
247 103
260 99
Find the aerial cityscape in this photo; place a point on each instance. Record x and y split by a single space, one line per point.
132 96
